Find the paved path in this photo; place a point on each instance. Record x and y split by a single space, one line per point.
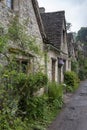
74 115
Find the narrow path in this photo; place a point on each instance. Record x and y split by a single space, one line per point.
74 115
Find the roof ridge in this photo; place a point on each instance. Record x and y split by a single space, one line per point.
62 11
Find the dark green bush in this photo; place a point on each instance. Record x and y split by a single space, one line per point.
71 80
8 122
36 81
74 66
55 90
27 86
17 94
36 107
82 74
55 94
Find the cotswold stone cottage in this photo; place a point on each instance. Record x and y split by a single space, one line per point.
27 13
48 31
56 44
71 44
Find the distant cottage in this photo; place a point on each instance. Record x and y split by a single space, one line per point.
71 46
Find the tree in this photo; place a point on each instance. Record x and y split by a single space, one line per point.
68 26
82 35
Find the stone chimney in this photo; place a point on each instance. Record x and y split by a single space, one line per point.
42 10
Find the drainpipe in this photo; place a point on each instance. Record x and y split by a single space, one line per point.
45 59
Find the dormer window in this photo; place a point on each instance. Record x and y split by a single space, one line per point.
9 3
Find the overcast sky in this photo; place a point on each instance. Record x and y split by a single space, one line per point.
75 11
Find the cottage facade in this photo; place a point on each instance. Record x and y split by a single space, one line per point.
56 42
26 11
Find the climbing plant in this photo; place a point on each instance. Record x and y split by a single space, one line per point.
17 32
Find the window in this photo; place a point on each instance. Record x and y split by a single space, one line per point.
24 65
64 66
21 65
53 69
9 3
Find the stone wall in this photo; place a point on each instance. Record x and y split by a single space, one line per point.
5 15
26 15
23 9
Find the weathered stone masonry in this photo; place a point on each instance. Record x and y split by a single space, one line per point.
25 11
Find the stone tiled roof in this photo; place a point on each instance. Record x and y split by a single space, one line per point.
53 25
38 17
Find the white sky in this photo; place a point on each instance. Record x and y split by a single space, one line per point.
75 11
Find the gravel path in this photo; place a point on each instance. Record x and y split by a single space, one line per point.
74 114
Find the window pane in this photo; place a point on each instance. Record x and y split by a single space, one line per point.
9 3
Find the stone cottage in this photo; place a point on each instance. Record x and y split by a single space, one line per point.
56 44
71 44
72 49
48 31
27 13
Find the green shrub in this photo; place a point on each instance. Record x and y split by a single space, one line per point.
8 122
27 86
71 80
82 74
36 107
36 81
17 93
55 90
69 88
74 66
55 94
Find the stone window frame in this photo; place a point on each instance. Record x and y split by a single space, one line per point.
24 60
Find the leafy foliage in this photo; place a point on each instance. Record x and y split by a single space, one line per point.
54 90
74 66
68 26
17 97
82 35
71 80
82 65
55 93
82 69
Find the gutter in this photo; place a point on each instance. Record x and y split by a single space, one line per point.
49 45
